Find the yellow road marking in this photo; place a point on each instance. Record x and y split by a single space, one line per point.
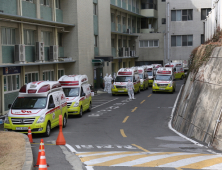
167 160
122 133
89 153
142 101
150 95
129 158
178 169
203 164
39 144
134 109
124 121
89 158
139 147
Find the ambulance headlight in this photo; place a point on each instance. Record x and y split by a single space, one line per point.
113 87
76 104
141 82
41 119
154 84
6 120
170 85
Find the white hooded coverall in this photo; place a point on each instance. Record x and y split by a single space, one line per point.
109 83
106 82
130 88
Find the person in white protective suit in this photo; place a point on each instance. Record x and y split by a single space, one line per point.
109 84
106 82
130 88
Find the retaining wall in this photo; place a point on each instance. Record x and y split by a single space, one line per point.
199 110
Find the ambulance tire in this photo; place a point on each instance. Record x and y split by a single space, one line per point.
144 87
153 91
90 107
64 121
138 90
80 112
48 130
113 94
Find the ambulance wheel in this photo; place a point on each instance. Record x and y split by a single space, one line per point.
153 92
90 107
139 90
80 112
113 94
182 77
64 121
144 87
48 130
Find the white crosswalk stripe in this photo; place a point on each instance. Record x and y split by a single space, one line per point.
152 159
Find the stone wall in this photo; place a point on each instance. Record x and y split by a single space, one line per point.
200 104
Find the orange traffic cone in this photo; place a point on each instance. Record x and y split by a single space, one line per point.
41 148
60 139
30 135
43 164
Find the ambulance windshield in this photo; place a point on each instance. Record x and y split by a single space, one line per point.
71 92
150 73
123 78
30 103
164 77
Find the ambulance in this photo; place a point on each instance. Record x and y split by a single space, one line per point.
150 72
164 80
155 67
37 106
178 70
144 79
123 75
77 92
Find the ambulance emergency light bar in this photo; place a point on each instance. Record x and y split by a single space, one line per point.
43 89
69 83
163 72
124 73
149 69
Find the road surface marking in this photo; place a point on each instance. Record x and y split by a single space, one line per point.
105 103
107 146
89 158
122 133
150 95
124 121
39 144
134 109
142 101
204 164
139 147
167 160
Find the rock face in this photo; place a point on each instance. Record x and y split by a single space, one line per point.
199 110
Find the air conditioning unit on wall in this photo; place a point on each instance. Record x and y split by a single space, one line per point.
39 52
19 53
53 53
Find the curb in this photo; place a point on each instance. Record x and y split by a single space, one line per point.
28 164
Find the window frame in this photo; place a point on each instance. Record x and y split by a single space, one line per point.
5 38
34 72
31 1
95 40
51 75
44 35
206 13
45 3
182 43
59 70
58 4
95 12
147 43
32 37
182 15
17 81
163 21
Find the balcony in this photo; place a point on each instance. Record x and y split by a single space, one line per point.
30 9
113 27
9 7
146 30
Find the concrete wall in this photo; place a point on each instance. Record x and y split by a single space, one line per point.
151 53
193 27
200 104
161 9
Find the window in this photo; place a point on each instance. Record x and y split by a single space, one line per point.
124 20
112 18
94 9
11 83
48 75
95 40
149 43
57 2
46 38
44 2
204 13
29 37
8 36
144 23
182 15
129 22
113 42
61 73
60 39
149 4
119 19
181 40
163 20
202 39
29 0
31 77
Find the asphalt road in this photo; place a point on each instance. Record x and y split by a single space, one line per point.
122 134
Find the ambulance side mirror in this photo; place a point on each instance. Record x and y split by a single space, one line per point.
83 94
9 106
51 106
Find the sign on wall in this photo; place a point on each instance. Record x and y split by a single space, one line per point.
11 70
